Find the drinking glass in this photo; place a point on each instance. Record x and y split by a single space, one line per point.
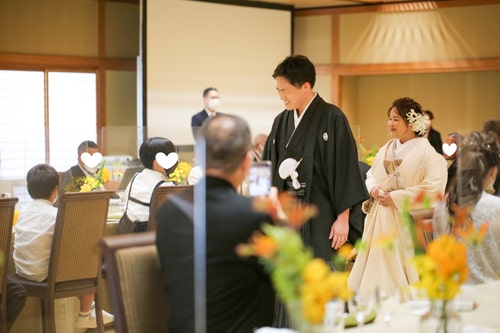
334 316
388 302
361 305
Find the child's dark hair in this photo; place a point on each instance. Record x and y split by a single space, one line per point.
153 146
42 179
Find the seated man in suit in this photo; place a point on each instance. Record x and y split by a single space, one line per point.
211 101
239 293
81 170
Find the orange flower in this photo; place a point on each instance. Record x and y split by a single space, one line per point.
386 241
259 245
420 197
443 268
296 212
264 246
470 234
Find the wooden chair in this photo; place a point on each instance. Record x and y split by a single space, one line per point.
75 258
135 283
159 196
7 208
423 225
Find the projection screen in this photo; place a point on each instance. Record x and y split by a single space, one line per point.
191 45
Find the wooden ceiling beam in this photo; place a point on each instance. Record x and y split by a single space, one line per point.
32 62
385 7
447 66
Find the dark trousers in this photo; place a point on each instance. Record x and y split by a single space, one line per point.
16 298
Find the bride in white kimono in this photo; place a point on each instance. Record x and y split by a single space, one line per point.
403 168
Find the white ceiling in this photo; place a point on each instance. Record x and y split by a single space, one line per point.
301 4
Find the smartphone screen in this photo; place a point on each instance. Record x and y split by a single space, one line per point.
259 179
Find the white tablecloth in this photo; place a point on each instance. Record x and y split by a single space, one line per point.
485 318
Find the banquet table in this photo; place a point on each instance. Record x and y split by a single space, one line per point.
484 318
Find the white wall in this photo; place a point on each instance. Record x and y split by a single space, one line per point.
192 45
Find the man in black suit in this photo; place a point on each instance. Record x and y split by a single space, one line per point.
79 170
239 293
433 135
450 139
211 101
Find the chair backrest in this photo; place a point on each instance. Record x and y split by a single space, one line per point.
422 218
127 176
159 196
80 223
135 282
7 208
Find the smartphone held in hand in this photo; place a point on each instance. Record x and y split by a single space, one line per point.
259 179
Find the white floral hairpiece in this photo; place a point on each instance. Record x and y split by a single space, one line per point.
417 121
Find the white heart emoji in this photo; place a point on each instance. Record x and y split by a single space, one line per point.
91 160
449 150
166 162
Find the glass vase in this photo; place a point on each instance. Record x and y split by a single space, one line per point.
298 322
441 318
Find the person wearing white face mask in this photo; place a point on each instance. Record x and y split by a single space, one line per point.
79 170
211 100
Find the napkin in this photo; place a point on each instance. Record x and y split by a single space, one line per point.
477 329
274 330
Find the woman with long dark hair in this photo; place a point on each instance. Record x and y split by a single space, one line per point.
478 164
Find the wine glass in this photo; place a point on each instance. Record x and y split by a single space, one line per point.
361 305
334 316
388 302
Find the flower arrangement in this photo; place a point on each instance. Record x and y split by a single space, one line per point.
443 268
417 121
181 173
368 155
297 277
442 265
89 183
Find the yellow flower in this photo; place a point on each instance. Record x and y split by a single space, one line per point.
368 155
181 173
443 268
315 271
346 252
16 217
85 188
298 278
106 175
321 285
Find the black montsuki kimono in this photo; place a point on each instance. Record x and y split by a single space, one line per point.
328 171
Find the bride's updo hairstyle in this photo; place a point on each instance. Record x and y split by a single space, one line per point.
478 154
411 112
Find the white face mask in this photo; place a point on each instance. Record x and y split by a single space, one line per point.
213 103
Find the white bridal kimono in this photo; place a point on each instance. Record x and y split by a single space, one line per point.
404 170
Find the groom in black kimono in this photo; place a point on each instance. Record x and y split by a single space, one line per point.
317 137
